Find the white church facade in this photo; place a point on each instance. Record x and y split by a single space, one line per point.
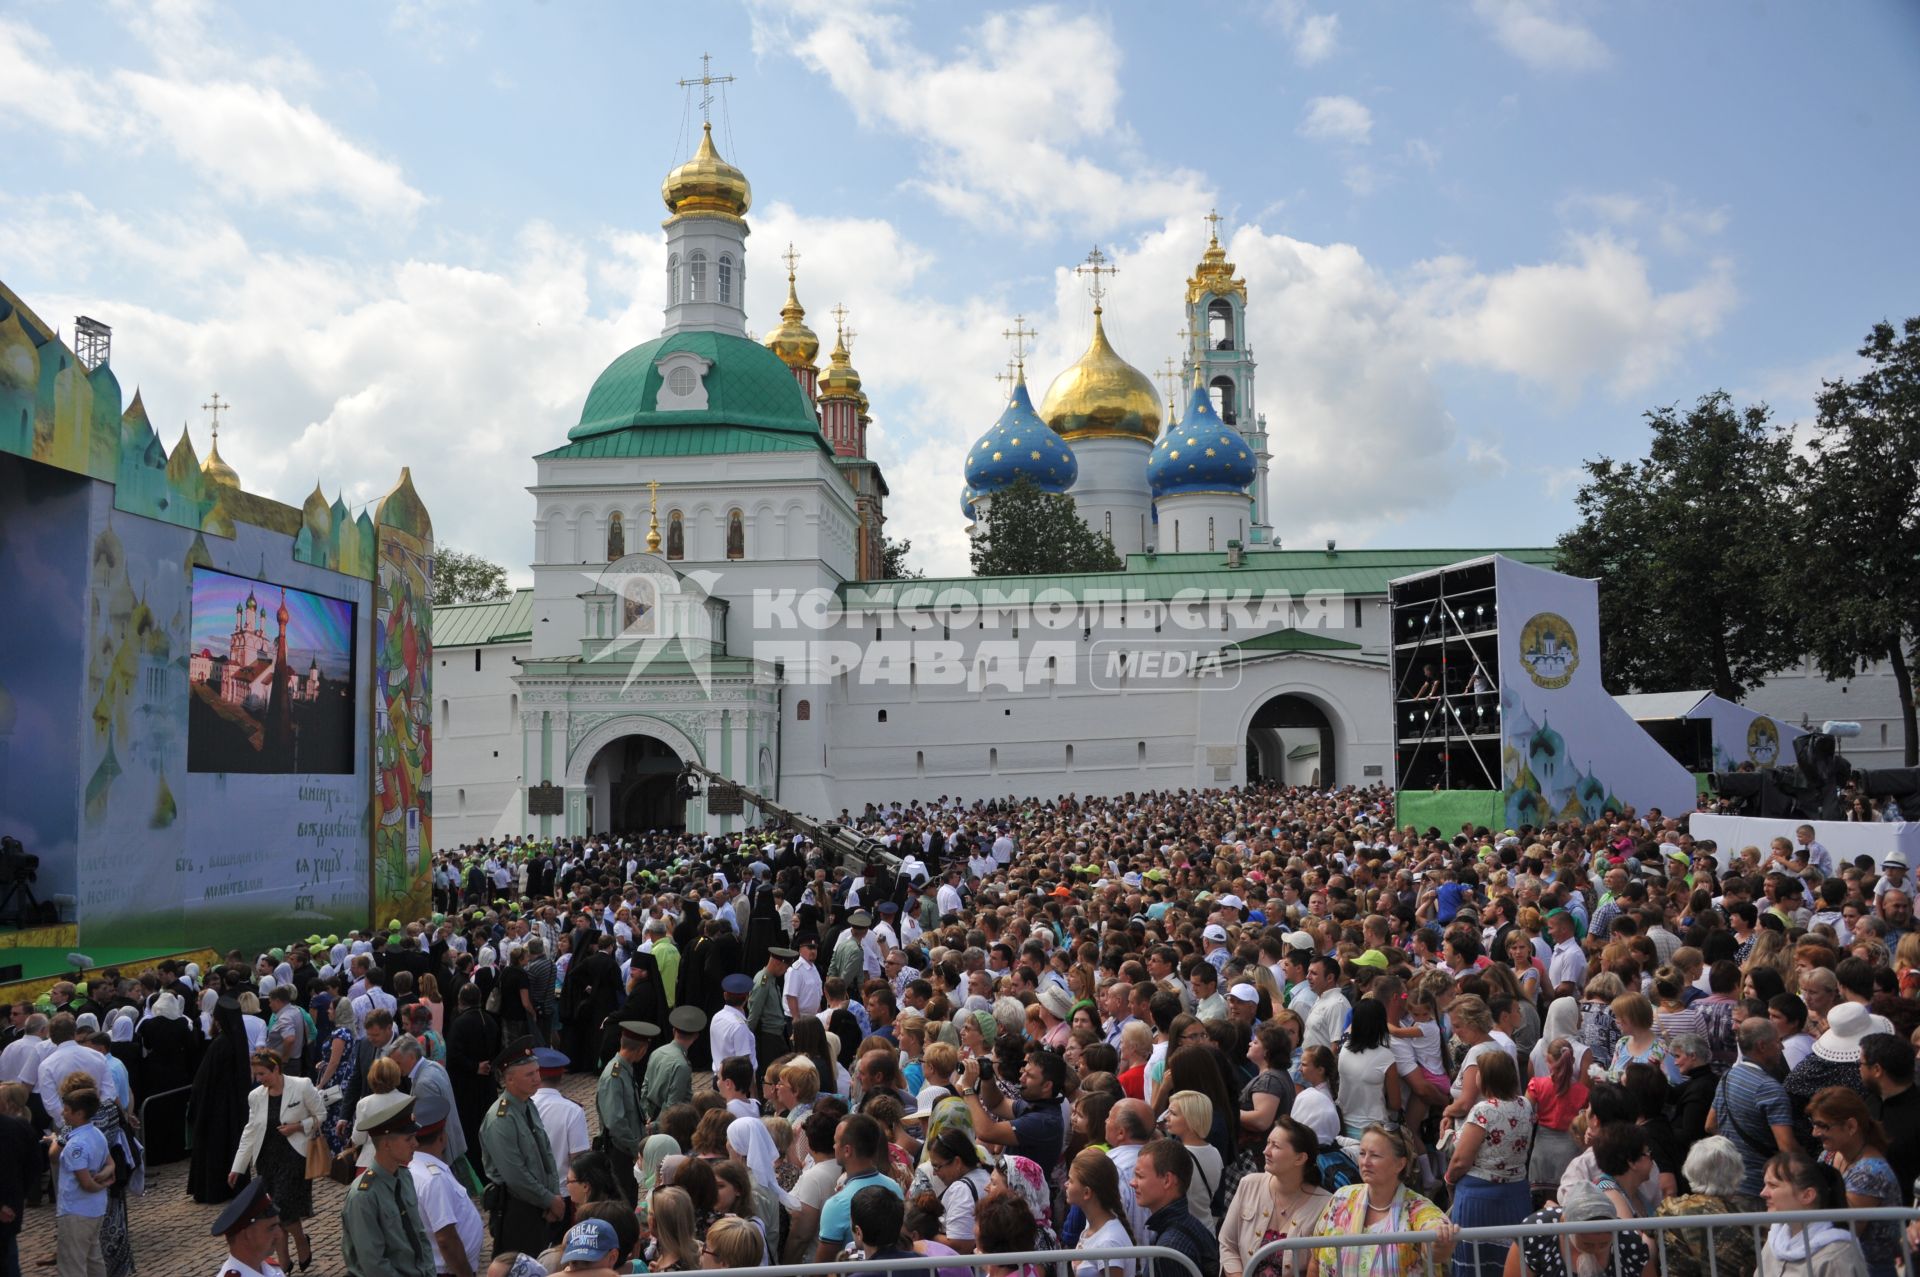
707 551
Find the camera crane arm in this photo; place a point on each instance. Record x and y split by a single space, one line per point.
853 848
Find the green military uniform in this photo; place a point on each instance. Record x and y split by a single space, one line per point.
669 1080
518 1158
767 1014
382 1233
618 1099
849 963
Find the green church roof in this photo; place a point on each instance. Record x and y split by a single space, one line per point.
680 441
746 386
1291 640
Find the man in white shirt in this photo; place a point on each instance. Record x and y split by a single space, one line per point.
730 1034
565 1121
65 1056
452 1220
802 988
1568 965
1327 1022
948 898
1003 849
1129 1127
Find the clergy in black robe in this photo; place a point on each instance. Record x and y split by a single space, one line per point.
588 999
763 925
720 957
473 1041
218 1111
170 1047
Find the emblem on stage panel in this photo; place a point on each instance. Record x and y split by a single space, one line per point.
1763 741
1549 650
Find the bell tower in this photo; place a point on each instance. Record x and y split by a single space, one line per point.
1221 355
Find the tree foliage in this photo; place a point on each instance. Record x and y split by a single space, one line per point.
1686 545
893 560
1032 532
1857 566
459 577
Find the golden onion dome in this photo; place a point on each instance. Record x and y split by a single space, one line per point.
1214 275
840 381
707 184
793 341
1102 396
216 469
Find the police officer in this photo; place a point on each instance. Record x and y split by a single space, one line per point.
382 1232
251 1225
766 1008
523 1198
617 1097
669 1079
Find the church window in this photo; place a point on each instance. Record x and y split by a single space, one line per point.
676 535
446 716
1109 525
681 381
476 660
696 277
1220 324
1069 758
736 535
1209 532
673 279
1140 752
1223 400
919 762
617 533
463 802
803 711
513 712
725 279
1176 536
883 716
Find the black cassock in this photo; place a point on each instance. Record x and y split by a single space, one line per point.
591 994
218 1113
473 1039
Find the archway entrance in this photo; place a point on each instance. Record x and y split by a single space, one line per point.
630 787
1290 742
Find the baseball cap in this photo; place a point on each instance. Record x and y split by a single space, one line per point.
590 1239
1215 931
1243 993
1372 958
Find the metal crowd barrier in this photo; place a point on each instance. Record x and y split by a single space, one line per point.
1161 1255
141 1115
1656 1227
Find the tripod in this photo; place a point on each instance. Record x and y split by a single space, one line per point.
23 913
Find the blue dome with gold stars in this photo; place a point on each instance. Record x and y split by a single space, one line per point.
966 504
1020 445
1200 454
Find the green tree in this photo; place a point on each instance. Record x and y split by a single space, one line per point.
459 577
893 560
1856 572
1038 532
1685 544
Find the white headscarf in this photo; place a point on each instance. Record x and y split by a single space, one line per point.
120 1025
748 1137
86 1022
167 1006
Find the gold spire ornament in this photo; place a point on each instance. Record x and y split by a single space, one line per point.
840 380
1101 395
653 516
794 342
1214 274
215 468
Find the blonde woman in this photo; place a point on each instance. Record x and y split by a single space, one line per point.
675 1247
1382 1202
1189 1118
1638 1044
284 1113
383 1078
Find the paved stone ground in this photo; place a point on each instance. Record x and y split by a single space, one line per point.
170 1229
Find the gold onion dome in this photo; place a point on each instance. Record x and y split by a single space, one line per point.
216 469
793 341
1102 396
840 381
707 184
1214 275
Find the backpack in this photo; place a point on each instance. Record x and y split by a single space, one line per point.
1337 1170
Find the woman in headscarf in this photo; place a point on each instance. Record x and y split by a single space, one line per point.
218 1112
1022 1177
749 1144
951 1113
1563 1021
653 1154
168 1048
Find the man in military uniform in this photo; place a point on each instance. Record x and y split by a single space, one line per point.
849 961
728 1034
617 1097
382 1232
251 1225
523 1198
766 1008
669 1079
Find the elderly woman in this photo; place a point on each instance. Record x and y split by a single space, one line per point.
1713 1169
1382 1202
1615 1254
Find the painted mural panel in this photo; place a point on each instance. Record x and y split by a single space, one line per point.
1569 750
403 708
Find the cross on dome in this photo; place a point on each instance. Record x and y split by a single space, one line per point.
1018 335
216 407
706 82
1096 266
1213 220
790 257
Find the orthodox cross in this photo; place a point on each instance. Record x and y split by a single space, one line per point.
1170 378
706 82
1018 335
1096 266
1213 220
1009 376
215 407
653 516
790 257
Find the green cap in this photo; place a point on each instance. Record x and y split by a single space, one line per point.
277 954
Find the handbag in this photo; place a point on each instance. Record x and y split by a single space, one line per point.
346 1166
319 1158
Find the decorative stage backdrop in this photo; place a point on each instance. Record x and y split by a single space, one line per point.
213 707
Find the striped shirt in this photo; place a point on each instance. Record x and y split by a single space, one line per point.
1746 1108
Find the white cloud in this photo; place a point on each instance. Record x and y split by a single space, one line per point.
1677 224
1539 34
1004 128
1337 119
220 114
1314 36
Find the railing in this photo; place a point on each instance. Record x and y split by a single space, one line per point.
1657 1228
1159 1254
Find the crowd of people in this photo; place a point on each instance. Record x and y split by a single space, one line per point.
1205 1020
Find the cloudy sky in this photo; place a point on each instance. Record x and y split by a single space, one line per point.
1481 237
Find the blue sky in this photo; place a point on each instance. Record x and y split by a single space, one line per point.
1481 237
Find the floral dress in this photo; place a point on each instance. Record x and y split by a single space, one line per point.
1873 1177
342 1078
1546 1257
1624 1054
1503 1153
